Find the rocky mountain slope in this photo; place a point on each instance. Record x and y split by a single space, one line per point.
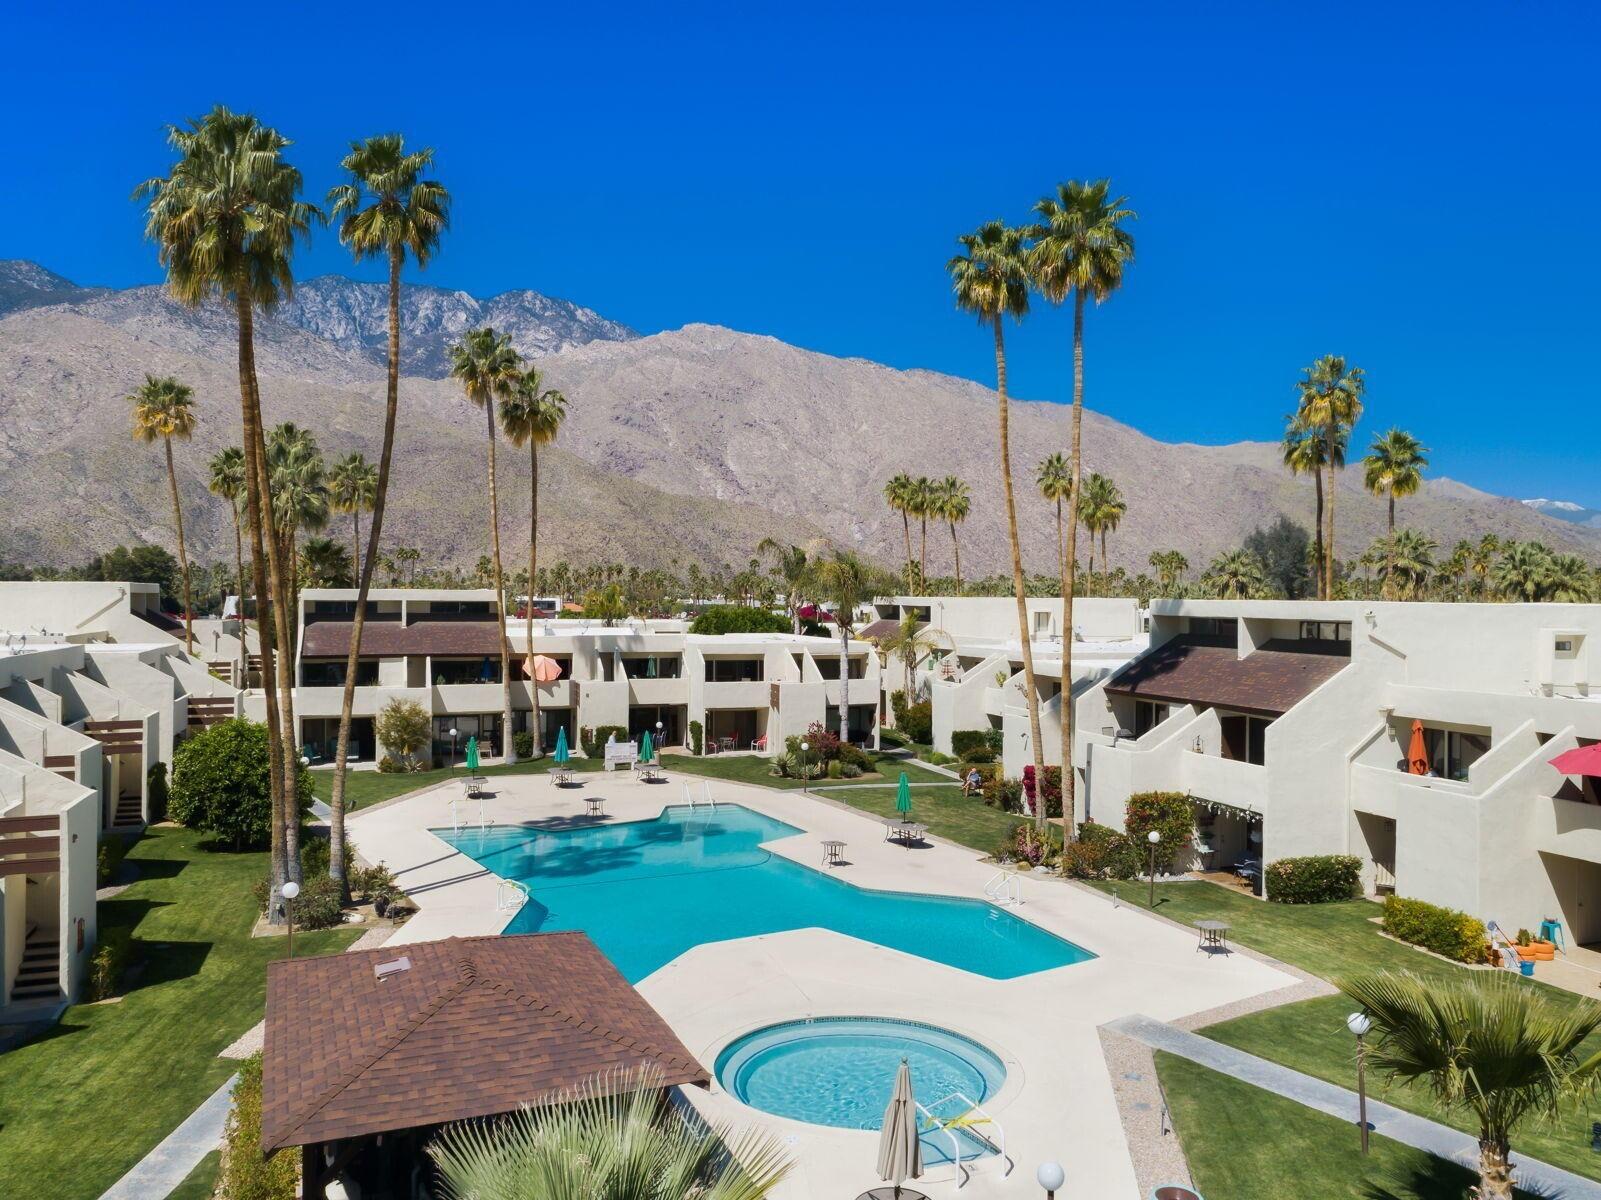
684 446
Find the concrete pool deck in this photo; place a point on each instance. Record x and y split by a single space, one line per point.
1057 1102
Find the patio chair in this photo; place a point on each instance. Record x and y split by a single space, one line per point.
711 745
760 743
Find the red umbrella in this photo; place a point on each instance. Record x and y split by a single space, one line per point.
1417 754
1584 760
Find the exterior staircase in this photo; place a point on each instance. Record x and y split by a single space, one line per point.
127 813
39 976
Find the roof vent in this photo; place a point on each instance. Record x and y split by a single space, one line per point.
393 967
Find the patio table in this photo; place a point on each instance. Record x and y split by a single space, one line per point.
560 776
904 832
833 852
648 771
1214 935
593 806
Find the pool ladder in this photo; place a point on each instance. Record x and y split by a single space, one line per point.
971 1118
1003 889
511 894
706 796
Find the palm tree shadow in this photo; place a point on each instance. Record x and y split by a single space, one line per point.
1440 1180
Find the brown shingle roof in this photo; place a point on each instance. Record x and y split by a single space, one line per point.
331 639
880 628
475 1027
1189 672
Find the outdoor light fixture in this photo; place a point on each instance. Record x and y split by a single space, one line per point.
1154 837
1050 1177
805 746
290 891
1359 1023
452 749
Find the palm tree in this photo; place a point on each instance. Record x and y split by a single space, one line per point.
954 502
228 482
1572 580
1523 572
532 415
1110 508
1169 566
1408 564
353 489
164 409
1081 248
1237 575
387 208
911 642
324 563
609 1139
1331 403
300 501
898 495
1305 453
1394 467
1483 559
225 221
1483 1044
846 582
490 370
1095 506
1054 478
793 565
922 507
990 280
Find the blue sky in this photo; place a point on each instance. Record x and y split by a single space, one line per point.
1414 186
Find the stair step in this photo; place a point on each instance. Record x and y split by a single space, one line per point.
45 991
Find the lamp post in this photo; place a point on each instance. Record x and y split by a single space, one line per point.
1359 1023
658 738
805 746
1154 838
290 891
1050 1176
452 749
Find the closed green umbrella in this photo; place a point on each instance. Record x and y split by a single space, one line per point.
646 750
903 796
562 754
472 754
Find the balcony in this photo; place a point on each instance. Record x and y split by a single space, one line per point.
326 701
1386 792
1226 780
748 694
661 691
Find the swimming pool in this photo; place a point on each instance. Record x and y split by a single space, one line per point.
647 891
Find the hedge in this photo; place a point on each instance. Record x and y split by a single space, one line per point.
1314 879
1172 814
593 741
1445 931
965 741
247 1174
915 721
1101 852
737 618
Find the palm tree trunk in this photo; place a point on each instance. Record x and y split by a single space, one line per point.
355 545
922 555
1495 1169
239 562
1061 546
906 528
1076 450
255 509
1317 479
844 675
1328 545
956 554
183 556
364 566
1031 694
533 559
507 749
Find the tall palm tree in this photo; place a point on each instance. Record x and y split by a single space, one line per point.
387 208
164 409
1408 564
609 1139
1054 478
1081 248
1237 575
898 495
793 565
300 502
1305 453
532 416
1169 566
228 481
923 507
1572 580
990 280
1393 467
1484 1044
910 642
353 489
954 503
225 221
1331 395
1483 559
489 370
1103 500
846 582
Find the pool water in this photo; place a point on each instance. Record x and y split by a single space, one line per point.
839 1071
647 891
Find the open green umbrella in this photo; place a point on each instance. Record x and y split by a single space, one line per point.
472 754
646 750
903 796
562 754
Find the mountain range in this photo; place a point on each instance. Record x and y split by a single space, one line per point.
684 446
1567 510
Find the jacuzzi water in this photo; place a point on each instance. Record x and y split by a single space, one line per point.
647 891
839 1071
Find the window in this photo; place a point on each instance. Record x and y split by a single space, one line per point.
828 666
1564 646
653 666
1042 622
1148 714
1452 752
1325 631
454 608
1224 628
331 672
466 670
733 670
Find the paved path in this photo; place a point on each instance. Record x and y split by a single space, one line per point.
1386 1120
169 1164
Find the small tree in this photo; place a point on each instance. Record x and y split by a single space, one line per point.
221 785
405 729
1169 813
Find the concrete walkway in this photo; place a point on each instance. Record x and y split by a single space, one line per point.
169 1164
1386 1120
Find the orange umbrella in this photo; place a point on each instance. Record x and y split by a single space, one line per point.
1417 754
541 669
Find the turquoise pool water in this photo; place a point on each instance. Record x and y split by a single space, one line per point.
647 891
839 1071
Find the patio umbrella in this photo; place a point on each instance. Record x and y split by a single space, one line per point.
562 754
472 754
541 669
900 1154
1417 754
903 795
646 750
1584 760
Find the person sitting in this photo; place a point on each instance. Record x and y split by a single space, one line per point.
973 784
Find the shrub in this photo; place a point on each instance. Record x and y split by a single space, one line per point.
406 730
1101 852
835 768
695 737
824 742
977 754
314 851
1445 931
1024 844
738 618
368 881
965 740
918 721
246 1173
156 791
1171 814
593 740
109 858
317 906
220 783
523 744
1314 879
1002 793
112 953
849 770
855 756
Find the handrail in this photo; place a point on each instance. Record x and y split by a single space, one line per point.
956 1146
973 1116
1003 888
519 891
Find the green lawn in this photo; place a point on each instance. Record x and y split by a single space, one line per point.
1336 941
85 1101
363 788
201 1182
947 813
1246 1144
753 768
